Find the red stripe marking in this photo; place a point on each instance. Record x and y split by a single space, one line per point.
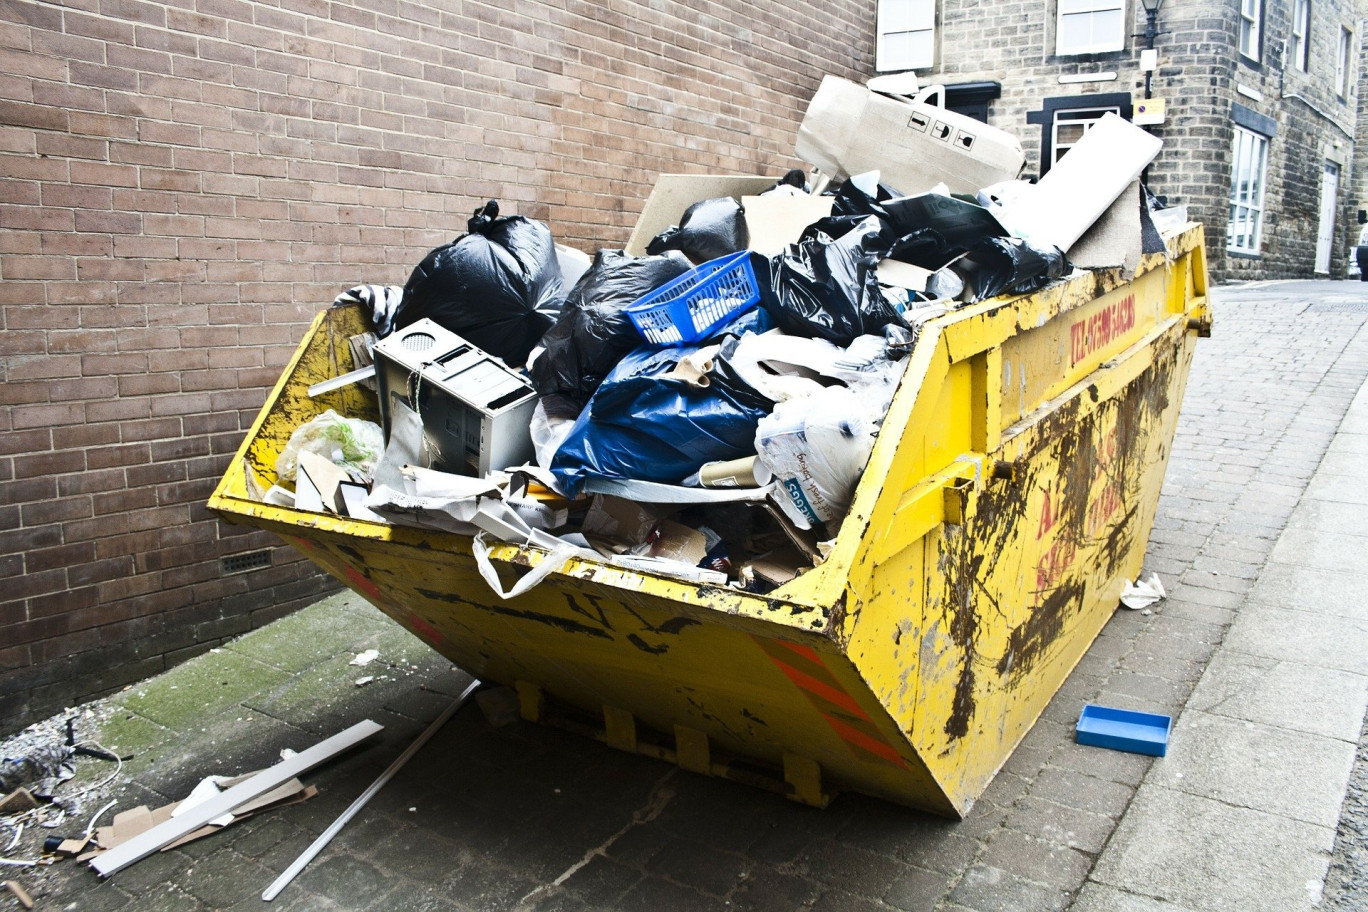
806 652
825 691
865 742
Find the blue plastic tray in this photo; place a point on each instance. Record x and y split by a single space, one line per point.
1124 729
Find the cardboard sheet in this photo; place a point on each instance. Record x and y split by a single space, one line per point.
775 221
673 193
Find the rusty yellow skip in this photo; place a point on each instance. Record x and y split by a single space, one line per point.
1009 496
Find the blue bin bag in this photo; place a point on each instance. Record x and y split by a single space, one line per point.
642 425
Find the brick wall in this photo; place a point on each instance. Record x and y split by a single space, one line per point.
186 184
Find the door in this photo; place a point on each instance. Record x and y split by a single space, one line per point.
1325 237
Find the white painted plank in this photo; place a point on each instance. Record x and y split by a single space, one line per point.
144 844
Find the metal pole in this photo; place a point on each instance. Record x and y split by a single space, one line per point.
327 835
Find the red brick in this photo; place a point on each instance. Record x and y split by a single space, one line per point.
125 455
28 490
90 482
69 97
45 465
148 384
30 441
46 416
37 267
82 388
30 115
91 271
151 429
105 125
52 511
42 559
72 146
77 245
130 363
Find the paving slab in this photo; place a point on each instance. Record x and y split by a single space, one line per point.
1287 695
1304 637
1250 765
1209 856
1095 897
1336 593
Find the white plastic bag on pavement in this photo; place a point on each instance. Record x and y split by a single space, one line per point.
1143 592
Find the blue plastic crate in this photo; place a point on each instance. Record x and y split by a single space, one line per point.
691 306
1124 729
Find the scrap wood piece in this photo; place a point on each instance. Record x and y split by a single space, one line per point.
335 827
132 822
17 801
304 794
19 893
145 844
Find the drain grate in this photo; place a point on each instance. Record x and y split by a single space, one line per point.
1332 306
241 563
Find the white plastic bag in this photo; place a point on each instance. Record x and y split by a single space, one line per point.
817 447
352 443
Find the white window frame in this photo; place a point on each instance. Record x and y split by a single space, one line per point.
1343 64
1248 178
906 35
1300 45
1073 116
1102 40
1251 27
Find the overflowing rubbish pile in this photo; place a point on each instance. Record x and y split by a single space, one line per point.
701 404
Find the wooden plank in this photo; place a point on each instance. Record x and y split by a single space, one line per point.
145 844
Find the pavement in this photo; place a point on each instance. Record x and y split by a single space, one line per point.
1260 652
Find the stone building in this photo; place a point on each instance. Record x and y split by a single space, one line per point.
1258 99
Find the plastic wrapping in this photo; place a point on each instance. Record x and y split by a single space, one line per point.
648 423
37 761
498 287
381 300
708 229
817 447
827 287
1000 265
348 442
593 332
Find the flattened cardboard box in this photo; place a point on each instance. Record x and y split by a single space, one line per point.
914 145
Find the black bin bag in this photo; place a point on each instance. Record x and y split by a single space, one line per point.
708 229
827 287
1008 265
594 332
498 287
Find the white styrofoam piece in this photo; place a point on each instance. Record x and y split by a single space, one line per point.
1082 185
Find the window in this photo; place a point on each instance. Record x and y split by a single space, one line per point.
1346 40
907 35
1251 22
1300 45
1244 233
1090 26
1064 119
1070 125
